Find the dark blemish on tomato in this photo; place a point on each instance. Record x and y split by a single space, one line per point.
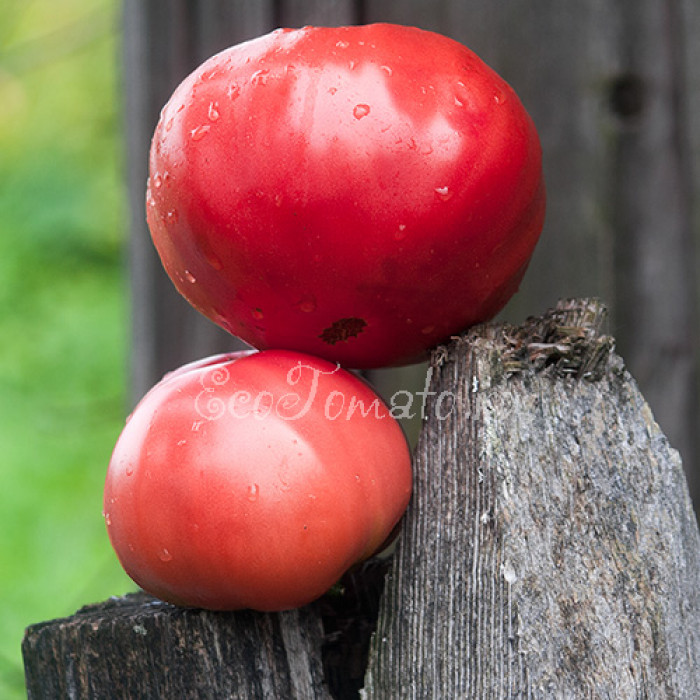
342 330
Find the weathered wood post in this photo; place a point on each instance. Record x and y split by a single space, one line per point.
550 551
138 647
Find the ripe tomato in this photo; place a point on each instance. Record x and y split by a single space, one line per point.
254 481
359 193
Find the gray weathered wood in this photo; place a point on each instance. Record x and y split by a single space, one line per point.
138 647
550 550
655 293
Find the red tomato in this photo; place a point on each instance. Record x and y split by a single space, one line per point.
359 193
254 481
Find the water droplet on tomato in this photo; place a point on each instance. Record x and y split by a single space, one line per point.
164 555
257 314
360 111
443 193
461 93
172 217
307 305
129 471
400 234
169 124
500 97
253 492
190 277
427 330
213 112
260 77
233 91
157 181
342 44
108 519
211 73
387 70
200 132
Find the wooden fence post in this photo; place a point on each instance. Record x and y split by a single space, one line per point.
137 647
550 551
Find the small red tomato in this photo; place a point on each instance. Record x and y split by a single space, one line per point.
254 481
359 193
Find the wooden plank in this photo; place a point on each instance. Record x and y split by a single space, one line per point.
652 189
689 101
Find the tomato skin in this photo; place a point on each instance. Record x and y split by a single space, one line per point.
219 502
358 193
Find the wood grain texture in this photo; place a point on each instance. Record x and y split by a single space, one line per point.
550 549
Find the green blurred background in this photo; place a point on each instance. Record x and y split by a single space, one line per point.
63 310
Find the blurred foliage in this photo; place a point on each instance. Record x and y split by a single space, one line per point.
63 354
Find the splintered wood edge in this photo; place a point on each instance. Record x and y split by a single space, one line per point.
568 338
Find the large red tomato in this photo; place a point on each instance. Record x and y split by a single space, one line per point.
254 481
360 193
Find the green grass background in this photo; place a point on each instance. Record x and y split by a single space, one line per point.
63 310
